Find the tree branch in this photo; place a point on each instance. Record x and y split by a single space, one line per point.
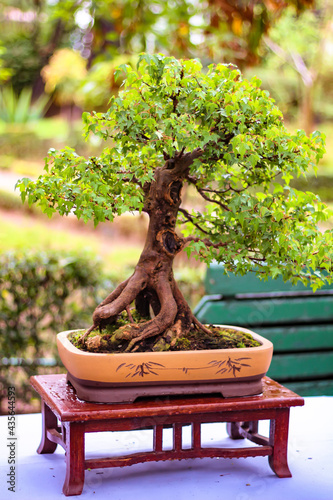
190 219
132 180
224 244
207 190
194 181
205 197
181 163
206 242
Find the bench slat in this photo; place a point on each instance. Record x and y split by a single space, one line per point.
265 311
312 387
301 366
299 338
297 321
216 282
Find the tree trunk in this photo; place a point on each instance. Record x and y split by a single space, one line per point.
152 285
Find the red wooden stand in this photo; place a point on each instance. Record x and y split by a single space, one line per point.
66 419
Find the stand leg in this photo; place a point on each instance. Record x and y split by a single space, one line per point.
49 421
196 436
158 438
278 439
74 479
234 428
252 426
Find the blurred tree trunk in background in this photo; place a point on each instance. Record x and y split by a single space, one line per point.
308 51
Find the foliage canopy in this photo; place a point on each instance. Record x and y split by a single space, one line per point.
240 157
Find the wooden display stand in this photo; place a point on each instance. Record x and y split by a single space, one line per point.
66 419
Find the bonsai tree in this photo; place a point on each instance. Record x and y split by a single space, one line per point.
173 124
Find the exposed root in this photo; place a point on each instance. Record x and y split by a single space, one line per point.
129 314
112 309
224 338
114 294
85 334
151 328
200 326
116 302
155 291
174 333
164 318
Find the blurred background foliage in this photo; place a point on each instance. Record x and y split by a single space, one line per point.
41 292
57 59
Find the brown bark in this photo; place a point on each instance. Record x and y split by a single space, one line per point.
152 285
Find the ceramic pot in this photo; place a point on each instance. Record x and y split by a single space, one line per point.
122 377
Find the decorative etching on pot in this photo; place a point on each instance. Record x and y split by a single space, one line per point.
228 366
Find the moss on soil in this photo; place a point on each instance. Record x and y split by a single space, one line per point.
106 340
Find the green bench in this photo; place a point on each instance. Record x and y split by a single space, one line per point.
297 321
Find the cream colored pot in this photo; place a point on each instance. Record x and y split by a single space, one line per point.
152 373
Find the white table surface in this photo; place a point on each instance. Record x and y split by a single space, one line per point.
310 459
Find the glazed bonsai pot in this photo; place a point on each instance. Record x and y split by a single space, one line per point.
123 377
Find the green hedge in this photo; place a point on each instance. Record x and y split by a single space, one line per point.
44 293
40 295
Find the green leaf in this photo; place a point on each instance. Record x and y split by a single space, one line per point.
169 108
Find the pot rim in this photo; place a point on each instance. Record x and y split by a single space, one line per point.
265 344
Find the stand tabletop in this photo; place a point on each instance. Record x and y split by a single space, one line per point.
62 400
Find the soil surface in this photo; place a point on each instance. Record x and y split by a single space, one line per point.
106 341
